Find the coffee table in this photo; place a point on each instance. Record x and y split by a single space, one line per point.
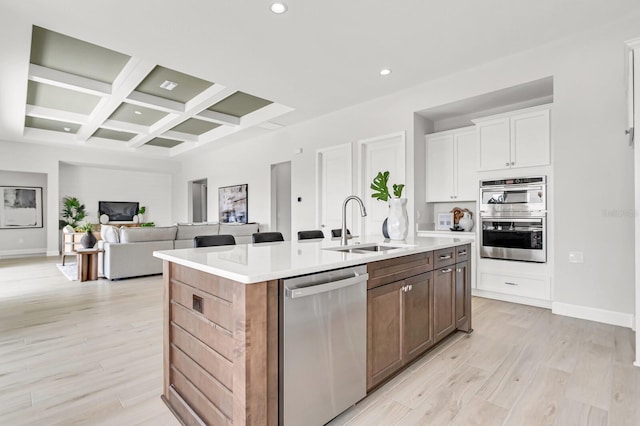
88 264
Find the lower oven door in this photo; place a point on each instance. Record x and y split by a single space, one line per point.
522 239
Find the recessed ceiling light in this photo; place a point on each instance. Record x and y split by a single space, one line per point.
385 71
136 112
66 129
169 85
278 8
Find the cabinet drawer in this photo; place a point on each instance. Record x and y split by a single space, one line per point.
463 253
534 287
200 303
398 268
444 257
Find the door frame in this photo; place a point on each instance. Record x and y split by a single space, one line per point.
319 154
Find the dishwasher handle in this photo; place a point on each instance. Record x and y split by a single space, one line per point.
296 293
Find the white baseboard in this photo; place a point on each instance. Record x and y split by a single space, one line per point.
23 252
593 314
53 252
511 298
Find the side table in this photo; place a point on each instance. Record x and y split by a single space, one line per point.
88 264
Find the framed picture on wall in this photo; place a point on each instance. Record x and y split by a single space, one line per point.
21 207
232 204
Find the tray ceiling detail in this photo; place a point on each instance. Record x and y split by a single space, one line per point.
81 93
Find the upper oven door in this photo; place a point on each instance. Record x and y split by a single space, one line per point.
527 198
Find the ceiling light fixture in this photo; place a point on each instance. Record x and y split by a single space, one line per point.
66 129
385 71
278 8
169 85
136 112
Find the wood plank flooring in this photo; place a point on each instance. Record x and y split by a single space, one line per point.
91 353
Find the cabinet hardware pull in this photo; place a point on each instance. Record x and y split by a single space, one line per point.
448 256
513 163
508 283
462 253
506 164
410 287
446 271
459 270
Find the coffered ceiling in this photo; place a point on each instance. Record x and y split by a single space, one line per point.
100 97
84 74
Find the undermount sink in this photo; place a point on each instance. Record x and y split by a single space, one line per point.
369 248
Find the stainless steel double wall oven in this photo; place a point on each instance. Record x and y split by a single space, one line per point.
513 215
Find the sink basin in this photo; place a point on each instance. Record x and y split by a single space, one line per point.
369 248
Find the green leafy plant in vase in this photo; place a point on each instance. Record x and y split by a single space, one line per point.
73 211
395 226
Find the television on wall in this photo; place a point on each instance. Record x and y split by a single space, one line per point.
118 211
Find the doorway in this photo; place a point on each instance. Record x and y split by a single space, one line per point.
198 196
281 199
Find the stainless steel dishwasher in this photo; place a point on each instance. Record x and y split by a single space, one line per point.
323 345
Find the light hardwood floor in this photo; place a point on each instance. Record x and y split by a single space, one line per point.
91 353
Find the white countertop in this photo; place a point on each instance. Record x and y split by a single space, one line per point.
252 263
471 235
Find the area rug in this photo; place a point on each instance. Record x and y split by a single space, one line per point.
69 270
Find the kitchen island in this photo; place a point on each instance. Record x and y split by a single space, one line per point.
221 317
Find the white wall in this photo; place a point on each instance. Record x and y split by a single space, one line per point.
35 158
592 163
16 242
93 184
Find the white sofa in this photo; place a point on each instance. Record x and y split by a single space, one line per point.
128 252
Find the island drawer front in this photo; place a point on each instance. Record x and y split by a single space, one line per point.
534 287
204 330
210 360
198 402
396 269
213 308
463 253
212 284
215 392
444 257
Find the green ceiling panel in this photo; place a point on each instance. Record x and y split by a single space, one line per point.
114 134
127 113
188 86
164 143
195 127
63 53
58 98
45 124
239 104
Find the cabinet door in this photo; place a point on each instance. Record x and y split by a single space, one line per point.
384 332
494 144
418 315
440 168
466 155
444 293
530 139
463 296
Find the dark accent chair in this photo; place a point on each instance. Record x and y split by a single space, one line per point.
214 240
310 235
267 237
338 233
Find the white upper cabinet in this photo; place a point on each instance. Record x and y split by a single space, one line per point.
452 161
516 139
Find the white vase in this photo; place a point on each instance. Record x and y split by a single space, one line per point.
398 221
465 222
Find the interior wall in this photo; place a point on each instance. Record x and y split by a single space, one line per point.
15 242
590 156
93 184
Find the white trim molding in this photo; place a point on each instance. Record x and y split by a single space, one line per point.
27 252
593 314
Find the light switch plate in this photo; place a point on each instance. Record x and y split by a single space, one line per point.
576 257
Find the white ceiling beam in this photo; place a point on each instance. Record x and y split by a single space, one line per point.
182 148
66 80
264 114
180 136
218 117
123 126
129 78
56 114
155 102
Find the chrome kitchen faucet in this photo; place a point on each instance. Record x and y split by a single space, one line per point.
344 237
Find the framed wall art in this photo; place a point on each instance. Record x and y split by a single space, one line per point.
21 207
445 221
232 204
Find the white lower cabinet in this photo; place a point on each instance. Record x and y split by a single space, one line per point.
523 286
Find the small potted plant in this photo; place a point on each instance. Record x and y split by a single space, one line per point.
395 226
88 239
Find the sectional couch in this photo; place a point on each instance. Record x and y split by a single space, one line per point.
128 252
